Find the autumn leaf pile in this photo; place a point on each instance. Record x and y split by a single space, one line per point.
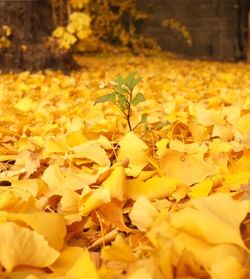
82 197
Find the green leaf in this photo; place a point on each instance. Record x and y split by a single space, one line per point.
120 81
122 101
144 118
120 85
138 99
132 80
160 125
120 90
106 98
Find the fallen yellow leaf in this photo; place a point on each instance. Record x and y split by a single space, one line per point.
133 149
27 247
186 167
153 188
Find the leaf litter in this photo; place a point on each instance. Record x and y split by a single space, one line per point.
82 196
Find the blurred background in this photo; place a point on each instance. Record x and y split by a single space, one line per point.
38 34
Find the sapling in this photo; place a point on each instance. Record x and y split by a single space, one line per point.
124 97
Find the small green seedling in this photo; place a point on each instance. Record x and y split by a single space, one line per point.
124 98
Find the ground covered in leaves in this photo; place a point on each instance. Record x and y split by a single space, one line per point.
82 197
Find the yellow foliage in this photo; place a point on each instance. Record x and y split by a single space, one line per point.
81 196
5 33
77 29
115 22
27 247
79 4
179 27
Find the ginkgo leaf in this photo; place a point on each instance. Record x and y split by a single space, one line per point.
30 160
69 206
163 256
195 149
186 167
113 213
91 151
180 192
235 181
223 214
198 131
153 188
118 251
35 187
161 146
83 267
225 257
243 123
208 117
25 104
115 183
21 246
224 132
54 145
133 148
16 200
143 213
75 138
50 225
218 146
242 164
93 200
67 259
161 227
59 181
53 176
231 113
201 189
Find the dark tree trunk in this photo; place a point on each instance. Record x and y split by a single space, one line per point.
31 22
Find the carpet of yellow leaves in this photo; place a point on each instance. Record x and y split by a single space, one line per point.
82 197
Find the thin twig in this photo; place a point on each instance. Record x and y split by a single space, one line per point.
130 93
